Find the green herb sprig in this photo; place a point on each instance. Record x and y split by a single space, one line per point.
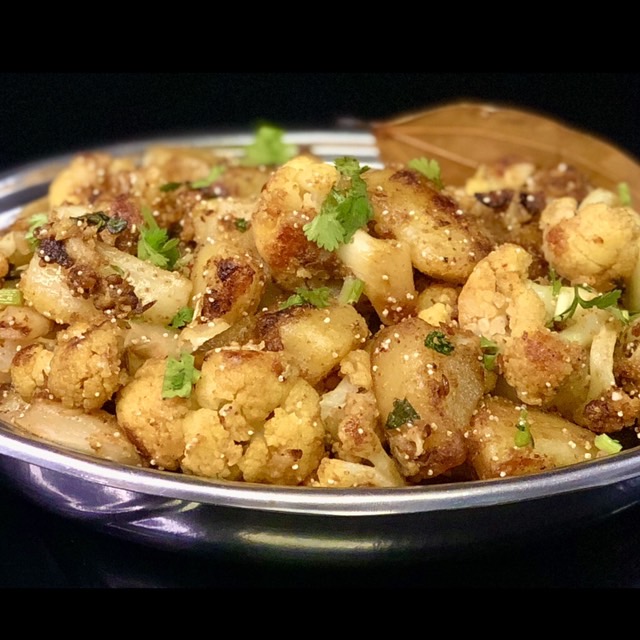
319 297
154 244
179 377
437 341
429 168
345 210
401 414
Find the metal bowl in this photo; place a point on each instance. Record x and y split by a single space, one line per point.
185 513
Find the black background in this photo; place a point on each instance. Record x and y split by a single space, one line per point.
42 114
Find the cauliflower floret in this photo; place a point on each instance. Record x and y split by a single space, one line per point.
595 243
30 370
152 422
291 444
209 450
244 386
539 363
351 416
337 473
501 303
498 299
291 198
86 367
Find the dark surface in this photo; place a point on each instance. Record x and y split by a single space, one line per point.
46 114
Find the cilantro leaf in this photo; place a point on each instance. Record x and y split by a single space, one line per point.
428 168
317 297
113 224
35 221
154 244
437 341
268 148
170 186
179 377
241 224
624 194
182 318
212 176
402 413
345 210
523 435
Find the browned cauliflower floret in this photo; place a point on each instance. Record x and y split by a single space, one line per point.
501 303
209 450
539 363
351 417
152 422
30 370
291 198
291 444
86 368
594 243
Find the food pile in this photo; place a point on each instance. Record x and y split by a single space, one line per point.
271 317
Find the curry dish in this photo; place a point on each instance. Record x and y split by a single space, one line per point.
272 317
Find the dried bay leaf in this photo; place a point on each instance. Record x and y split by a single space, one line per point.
464 135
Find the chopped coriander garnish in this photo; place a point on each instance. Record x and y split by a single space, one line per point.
437 341
607 301
113 224
117 269
523 434
490 351
35 221
170 186
241 224
154 244
344 210
428 168
556 283
351 291
317 297
10 296
212 176
607 443
179 377
182 318
624 194
268 148
402 413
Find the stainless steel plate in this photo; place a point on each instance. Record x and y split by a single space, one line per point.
197 515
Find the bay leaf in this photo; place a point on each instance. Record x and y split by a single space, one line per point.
464 135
